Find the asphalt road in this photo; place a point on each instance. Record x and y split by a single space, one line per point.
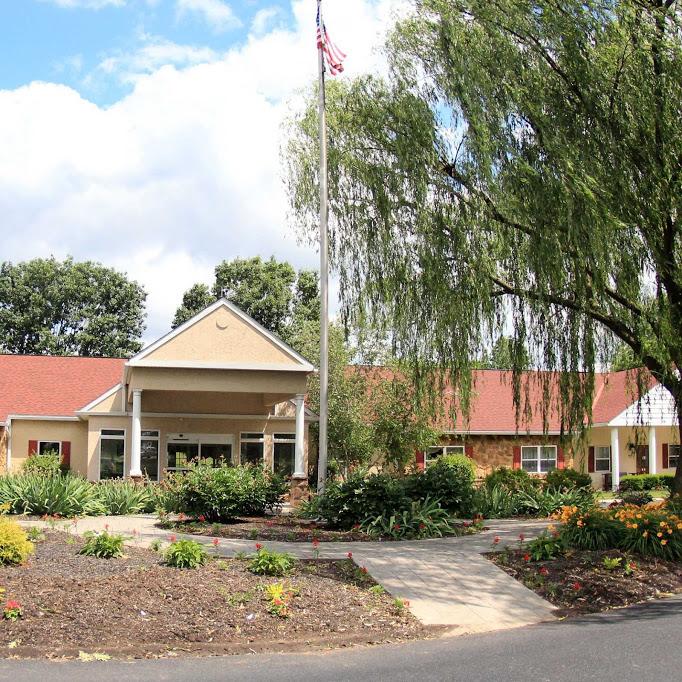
638 644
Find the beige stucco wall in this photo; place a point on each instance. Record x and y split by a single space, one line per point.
3 449
112 403
285 384
222 337
205 402
187 425
25 430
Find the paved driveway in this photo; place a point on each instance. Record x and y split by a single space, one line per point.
447 581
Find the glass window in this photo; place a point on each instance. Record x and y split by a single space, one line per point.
49 446
181 453
216 454
111 454
252 448
150 455
602 458
674 455
538 459
113 432
435 451
284 454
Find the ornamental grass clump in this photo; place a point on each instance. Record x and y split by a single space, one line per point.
121 497
422 520
185 554
15 547
103 545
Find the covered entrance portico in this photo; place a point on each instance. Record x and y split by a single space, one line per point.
219 388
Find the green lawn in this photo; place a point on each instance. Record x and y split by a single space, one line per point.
610 495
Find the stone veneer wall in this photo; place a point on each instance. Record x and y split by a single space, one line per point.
492 452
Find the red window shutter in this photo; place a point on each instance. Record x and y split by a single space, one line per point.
560 459
32 448
469 451
420 460
590 459
517 457
66 454
666 462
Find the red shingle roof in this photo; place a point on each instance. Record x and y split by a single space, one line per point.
492 404
46 385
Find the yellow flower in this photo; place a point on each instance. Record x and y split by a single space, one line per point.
635 525
664 542
645 534
659 535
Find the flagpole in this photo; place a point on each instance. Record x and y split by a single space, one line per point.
324 282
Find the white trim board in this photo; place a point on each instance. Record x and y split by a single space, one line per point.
655 408
190 415
222 303
241 366
50 418
104 396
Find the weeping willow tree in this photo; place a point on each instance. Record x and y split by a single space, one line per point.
520 165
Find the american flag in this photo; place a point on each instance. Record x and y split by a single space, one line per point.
333 57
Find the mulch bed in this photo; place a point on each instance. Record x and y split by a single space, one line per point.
137 607
580 583
282 528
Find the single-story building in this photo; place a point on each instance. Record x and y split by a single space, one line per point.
219 387
628 435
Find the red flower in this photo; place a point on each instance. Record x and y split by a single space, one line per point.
202 518
522 537
356 526
577 586
397 526
350 555
259 546
406 602
363 569
216 542
422 526
496 539
526 557
106 526
544 571
12 604
172 538
316 542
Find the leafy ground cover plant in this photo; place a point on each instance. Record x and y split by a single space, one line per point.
422 520
547 546
103 545
185 554
269 562
223 493
15 547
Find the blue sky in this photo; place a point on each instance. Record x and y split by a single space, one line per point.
146 134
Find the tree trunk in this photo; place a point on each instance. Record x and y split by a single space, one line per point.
677 481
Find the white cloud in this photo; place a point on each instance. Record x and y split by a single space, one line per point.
181 173
86 4
263 19
217 13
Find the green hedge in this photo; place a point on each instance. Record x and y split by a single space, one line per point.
646 482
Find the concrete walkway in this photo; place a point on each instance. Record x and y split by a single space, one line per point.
446 580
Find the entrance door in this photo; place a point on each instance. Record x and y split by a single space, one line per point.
642 459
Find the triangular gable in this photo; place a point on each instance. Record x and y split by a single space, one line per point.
221 336
654 408
111 401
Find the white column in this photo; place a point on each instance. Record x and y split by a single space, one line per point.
299 464
615 458
136 437
652 450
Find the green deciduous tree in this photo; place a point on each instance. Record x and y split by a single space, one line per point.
66 308
520 164
270 291
506 354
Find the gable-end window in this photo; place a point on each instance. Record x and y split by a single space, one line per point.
538 459
435 451
149 460
252 448
284 454
674 455
112 446
52 447
602 458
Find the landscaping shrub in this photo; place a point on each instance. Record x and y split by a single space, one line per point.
646 482
546 547
15 547
567 479
637 498
592 530
350 502
268 562
46 465
102 545
66 495
650 532
494 502
511 479
547 501
124 497
185 554
425 519
223 493
450 480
